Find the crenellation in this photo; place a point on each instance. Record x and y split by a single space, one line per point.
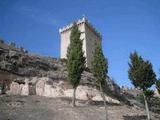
80 21
65 28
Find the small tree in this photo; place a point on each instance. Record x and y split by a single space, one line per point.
158 86
149 95
141 75
75 60
99 68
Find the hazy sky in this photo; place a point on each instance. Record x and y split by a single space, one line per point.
125 25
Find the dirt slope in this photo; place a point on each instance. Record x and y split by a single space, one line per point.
41 108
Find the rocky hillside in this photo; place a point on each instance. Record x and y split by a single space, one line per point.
18 61
27 74
24 74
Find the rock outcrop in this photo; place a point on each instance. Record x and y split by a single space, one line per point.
44 86
25 74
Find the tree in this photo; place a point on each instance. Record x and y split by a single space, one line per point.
158 86
99 68
141 75
153 101
149 95
75 60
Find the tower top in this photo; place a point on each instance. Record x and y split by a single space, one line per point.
80 21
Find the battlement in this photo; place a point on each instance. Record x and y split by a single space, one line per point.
80 21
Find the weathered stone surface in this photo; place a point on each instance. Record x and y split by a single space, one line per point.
16 61
4 65
40 88
22 88
44 86
156 93
46 76
89 93
1 87
14 54
15 88
25 89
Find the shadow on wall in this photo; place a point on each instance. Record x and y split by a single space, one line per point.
135 117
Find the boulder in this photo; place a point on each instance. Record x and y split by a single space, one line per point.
14 54
89 93
2 86
15 88
25 89
22 89
28 88
46 87
45 76
82 92
5 65
1 51
98 97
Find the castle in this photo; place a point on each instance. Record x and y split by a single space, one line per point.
89 35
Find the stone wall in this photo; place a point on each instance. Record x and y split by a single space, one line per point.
91 40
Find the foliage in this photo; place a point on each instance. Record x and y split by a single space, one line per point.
140 72
158 85
149 94
99 66
87 69
141 75
75 58
153 102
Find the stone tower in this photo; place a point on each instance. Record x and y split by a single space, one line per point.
89 35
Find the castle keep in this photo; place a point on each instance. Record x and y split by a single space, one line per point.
89 35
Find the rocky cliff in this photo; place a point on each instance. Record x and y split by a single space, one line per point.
27 74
